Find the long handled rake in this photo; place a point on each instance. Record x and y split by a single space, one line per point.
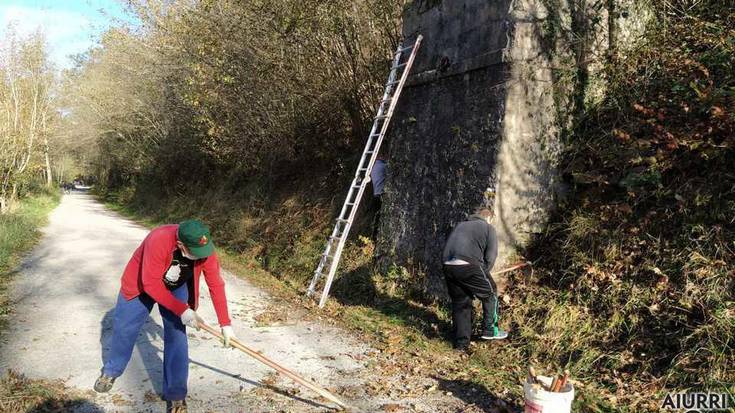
272 364
513 268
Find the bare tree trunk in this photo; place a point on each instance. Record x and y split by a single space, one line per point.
31 133
4 193
13 195
60 173
49 174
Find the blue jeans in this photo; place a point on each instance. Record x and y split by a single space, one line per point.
128 319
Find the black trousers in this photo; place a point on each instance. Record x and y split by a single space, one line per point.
464 283
377 205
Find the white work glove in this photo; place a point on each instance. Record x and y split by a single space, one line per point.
228 334
173 274
191 318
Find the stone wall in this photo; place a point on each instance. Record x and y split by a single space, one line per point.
482 121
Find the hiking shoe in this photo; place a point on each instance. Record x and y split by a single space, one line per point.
176 406
103 383
497 335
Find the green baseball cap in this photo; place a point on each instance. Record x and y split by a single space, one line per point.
194 234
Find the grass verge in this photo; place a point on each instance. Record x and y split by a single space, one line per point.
19 231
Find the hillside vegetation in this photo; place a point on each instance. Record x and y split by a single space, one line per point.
251 116
634 285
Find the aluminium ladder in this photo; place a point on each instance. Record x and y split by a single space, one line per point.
336 242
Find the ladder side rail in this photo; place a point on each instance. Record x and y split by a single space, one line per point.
389 95
364 157
381 110
369 143
333 269
363 185
344 208
336 233
366 149
318 272
350 219
392 74
397 93
386 123
394 101
324 258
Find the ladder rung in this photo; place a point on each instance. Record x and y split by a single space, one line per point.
385 100
381 117
403 49
399 65
342 220
395 82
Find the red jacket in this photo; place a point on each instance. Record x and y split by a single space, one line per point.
145 270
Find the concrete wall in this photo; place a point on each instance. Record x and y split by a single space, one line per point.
446 129
492 94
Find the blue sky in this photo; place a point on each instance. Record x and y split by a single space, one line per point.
71 26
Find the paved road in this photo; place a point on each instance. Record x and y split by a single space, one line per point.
67 288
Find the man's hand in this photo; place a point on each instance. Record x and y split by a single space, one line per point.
191 318
228 334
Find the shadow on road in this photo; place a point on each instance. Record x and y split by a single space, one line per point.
54 405
476 394
152 358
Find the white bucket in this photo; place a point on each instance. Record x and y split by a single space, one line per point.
539 400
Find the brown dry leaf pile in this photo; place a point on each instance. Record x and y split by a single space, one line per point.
20 394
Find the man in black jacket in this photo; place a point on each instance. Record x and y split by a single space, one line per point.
468 257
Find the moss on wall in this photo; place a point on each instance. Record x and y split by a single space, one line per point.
494 94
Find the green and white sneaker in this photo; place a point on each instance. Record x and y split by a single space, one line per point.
498 334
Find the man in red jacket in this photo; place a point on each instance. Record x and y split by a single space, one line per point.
165 269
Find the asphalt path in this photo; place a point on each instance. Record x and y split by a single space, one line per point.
63 299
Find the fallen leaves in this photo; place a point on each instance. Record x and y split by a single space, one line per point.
20 394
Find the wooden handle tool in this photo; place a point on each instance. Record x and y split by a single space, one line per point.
272 364
531 375
509 269
554 383
564 380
